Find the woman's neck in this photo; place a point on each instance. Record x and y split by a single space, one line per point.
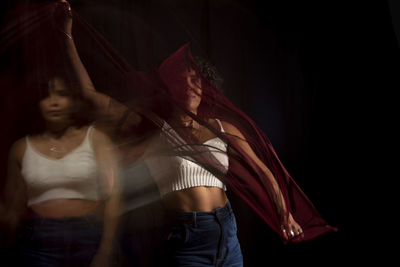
184 119
56 130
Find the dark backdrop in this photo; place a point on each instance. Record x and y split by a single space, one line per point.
318 77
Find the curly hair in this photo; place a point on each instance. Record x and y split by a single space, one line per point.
209 71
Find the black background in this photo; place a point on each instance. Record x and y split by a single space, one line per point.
318 77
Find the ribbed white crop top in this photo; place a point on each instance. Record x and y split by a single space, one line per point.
73 176
174 173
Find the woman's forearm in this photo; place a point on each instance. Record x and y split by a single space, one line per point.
275 191
276 194
85 83
107 108
111 215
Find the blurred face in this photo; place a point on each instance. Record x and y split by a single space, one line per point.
193 91
57 106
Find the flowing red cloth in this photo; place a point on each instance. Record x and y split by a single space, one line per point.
245 178
29 44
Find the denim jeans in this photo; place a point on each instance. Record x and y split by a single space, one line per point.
71 241
203 239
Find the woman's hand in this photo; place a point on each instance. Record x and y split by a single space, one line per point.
63 17
291 229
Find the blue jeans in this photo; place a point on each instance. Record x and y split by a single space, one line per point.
71 241
203 239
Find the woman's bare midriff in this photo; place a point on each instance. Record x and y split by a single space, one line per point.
199 198
62 208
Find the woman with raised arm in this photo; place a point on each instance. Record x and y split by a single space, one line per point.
65 175
204 146
62 178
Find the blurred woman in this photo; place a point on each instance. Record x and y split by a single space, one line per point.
62 181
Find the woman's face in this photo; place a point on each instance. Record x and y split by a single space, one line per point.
57 106
193 91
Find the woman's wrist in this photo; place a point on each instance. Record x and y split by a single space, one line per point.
66 34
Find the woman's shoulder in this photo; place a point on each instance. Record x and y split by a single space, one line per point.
99 136
226 126
18 148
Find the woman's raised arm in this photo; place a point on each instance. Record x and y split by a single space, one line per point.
104 104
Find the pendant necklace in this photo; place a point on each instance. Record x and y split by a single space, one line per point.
188 123
55 149
58 149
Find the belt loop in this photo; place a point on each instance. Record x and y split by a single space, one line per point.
195 219
41 220
87 220
221 242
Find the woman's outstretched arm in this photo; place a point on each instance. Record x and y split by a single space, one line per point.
290 228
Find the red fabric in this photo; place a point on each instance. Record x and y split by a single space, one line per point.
32 38
245 178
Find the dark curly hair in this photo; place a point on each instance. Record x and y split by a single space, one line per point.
210 72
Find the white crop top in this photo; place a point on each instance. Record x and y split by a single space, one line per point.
174 173
73 176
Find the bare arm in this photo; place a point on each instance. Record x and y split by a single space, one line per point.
105 105
15 190
108 161
288 223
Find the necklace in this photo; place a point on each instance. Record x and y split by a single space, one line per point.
188 123
54 148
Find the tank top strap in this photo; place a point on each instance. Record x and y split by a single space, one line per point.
88 137
89 131
28 143
220 125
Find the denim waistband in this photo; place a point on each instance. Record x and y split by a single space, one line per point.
95 215
198 216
